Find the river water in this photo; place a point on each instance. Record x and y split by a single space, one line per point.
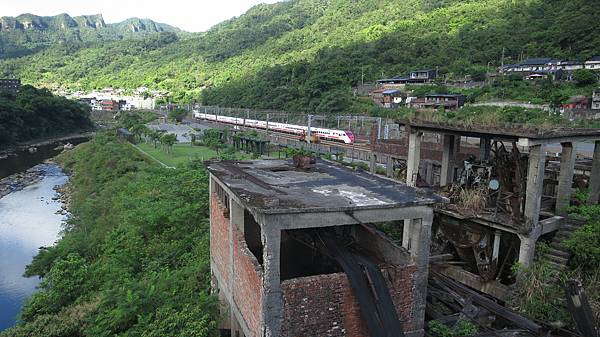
27 222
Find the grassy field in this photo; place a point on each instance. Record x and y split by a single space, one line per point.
181 153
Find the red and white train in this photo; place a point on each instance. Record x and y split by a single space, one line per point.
327 134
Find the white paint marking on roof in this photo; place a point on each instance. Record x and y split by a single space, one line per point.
354 194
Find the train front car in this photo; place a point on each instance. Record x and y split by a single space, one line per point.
349 137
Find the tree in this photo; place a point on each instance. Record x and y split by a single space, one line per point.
212 139
585 77
154 136
138 130
168 140
177 115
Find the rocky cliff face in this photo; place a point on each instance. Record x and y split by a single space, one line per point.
65 22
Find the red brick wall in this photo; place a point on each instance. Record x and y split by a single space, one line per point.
324 305
219 239
247 283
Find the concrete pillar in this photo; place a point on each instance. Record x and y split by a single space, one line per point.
389 167
526 250
429 173
485 147
272 301
535 182
420 244
414 157
565 178
373 163
595 175
406 233
447 171
496 248
236 215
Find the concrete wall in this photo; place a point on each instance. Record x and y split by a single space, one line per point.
324 305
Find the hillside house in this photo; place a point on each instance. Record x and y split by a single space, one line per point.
435 101
553 74
577 102
593 63
414 77
12 85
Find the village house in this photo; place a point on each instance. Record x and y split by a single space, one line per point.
435 101
414 77
577 102
593 63
12 85
106 105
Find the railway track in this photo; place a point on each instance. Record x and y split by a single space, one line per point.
361 146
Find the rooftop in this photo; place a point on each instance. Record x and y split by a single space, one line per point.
504 130
276 186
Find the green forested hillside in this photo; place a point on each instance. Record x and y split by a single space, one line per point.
36 113
306 54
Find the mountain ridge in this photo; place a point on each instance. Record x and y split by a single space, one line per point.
27 21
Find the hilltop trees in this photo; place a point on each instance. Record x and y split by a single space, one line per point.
36 113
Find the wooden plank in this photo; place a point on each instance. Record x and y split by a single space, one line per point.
495 308
580 309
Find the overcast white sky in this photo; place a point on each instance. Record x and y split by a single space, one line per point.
190 15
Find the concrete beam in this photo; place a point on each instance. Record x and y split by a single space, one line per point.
565 178
535 182
595 175
528 142
448 154
414 157
328 219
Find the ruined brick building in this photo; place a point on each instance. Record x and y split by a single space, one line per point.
295 252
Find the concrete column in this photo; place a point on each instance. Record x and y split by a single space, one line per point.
496 248
389 167
236 214
447 171
526 250
420 244
406 233
373 163
595 175
272 301
484 148
429 173
565 177
414 157
535 182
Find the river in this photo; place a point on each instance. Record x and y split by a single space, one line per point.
28 221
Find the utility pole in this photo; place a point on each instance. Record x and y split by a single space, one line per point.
308 133
362 75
